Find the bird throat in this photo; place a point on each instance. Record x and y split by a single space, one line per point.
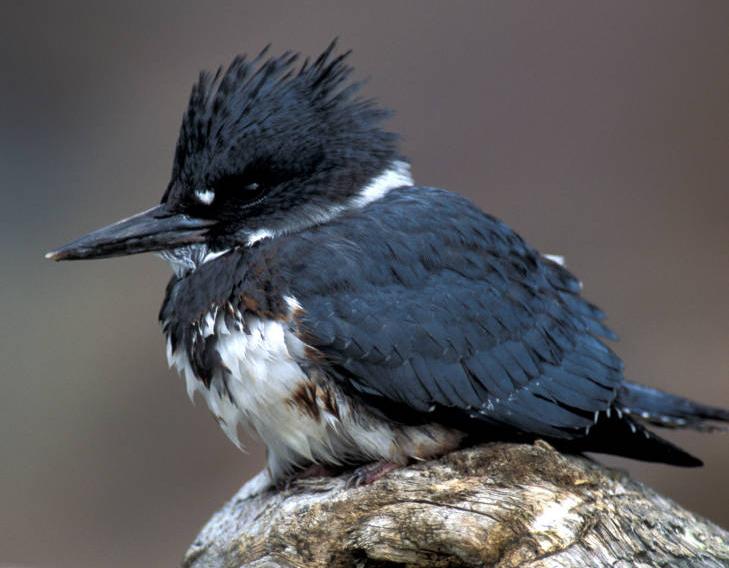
187 259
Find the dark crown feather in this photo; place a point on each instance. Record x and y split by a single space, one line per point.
250 91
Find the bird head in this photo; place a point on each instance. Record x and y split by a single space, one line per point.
267 146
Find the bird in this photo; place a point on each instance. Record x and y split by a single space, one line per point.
353 319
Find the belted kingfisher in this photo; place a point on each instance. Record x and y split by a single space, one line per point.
349 316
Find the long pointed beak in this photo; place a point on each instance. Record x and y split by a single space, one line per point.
152 230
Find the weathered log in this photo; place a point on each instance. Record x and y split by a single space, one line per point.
493 505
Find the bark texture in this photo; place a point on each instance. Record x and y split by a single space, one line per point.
501 505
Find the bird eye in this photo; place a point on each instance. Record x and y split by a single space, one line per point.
234 189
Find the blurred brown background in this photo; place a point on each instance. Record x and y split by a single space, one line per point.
598 130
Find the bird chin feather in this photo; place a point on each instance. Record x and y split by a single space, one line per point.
187 259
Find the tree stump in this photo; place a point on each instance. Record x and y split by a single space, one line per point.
501 505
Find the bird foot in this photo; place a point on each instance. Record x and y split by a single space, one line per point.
314 470
371 472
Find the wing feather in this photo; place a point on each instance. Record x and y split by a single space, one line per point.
430 303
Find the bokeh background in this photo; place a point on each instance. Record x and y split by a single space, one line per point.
600 131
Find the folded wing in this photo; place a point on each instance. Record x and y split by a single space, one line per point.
424 301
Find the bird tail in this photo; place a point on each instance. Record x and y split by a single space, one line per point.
623 432
668 410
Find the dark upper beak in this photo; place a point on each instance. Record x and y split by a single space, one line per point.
152 230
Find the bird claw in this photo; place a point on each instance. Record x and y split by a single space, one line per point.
369 473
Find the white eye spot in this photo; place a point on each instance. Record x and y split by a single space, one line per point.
252 186
205 196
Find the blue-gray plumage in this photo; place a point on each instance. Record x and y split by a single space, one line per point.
424 300
348 315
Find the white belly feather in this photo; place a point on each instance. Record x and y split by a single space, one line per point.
263 372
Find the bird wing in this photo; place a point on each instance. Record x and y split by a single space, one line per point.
423 300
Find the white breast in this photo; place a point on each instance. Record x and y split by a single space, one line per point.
263 371
302 418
